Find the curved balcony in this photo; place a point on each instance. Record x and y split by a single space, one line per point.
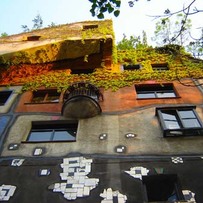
81 100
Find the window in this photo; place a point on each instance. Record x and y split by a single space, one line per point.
3 123
146 91
82 71
45 96
132 67
53 131
162 188
4 96
90 26
179 121
160 66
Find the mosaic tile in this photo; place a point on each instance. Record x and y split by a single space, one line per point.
110 196
176 160
189 196
44 172
6 192
138 172
78 184
17 162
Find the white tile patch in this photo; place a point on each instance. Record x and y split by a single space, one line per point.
138 172
6 191
44 172
109 195
17 162
177 160
38 152
77 184
189 196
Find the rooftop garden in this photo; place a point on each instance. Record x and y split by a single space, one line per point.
19 71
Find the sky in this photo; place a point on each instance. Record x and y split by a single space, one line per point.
131 21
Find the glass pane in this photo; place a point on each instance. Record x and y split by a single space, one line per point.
169 116
165 94
191 123
38 99
3 123
187 114
52 98
40 136
172 124
145 95
64 135
4 95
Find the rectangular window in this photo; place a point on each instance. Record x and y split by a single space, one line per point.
90 26
146 91
4 96
53 131
82 71
160 66
45 96
132 67
179 121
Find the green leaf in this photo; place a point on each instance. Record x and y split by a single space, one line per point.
100 15
103 9
116 13
110 9
118 3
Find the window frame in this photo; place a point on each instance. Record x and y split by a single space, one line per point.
155 90
52 127
132 67
45 94
6 94
160 66
182 129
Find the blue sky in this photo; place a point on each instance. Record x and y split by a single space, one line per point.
132 21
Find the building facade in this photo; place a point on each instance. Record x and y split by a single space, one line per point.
148 117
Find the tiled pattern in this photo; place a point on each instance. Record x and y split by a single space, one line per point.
138 172
76 183
6 191
120 149
44 172
112 196
103 136
13 146
38 151
189 196
17 162
130 135
177 160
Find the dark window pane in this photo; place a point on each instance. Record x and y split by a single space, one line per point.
160 66
40 136
45 96
37 99
52 98
4 95
64 135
